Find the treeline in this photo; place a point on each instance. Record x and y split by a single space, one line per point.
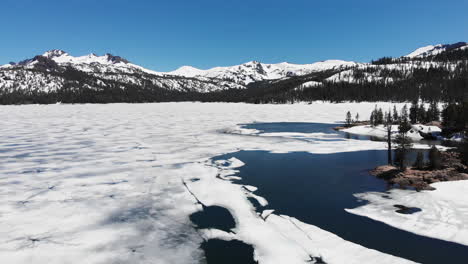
453 117
430 84
452 53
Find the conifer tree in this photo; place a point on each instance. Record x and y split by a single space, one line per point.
403 146
403 141
413 113
435 161
388 124
404 126
379 117
419 163
433 112
421 114
463 149
395 116
349 120
372 118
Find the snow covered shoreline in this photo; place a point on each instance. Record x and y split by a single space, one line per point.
103 183
381 131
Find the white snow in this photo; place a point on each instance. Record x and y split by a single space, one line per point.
444 212
432 50
104 183
381 131
255 71
308 84
187 71
422 51
60 56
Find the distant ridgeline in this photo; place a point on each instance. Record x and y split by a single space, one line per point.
434 74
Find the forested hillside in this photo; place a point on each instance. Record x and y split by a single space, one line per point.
437 75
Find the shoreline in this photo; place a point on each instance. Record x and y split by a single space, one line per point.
452 169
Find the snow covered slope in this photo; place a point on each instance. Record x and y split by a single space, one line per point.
436 49
50 72
25 75
254 71
116 79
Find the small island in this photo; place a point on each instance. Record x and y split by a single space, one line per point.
451 169
401 129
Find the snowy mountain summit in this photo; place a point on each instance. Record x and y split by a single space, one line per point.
254 71
54 53
436 49
61 56
58 76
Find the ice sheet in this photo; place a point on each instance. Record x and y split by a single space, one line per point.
105 183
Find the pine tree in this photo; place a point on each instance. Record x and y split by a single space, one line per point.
372 118
380 117
403 146
435 161
433 113
357 117
419 163
463 149
395 116
388 124
413 113
349 120
421 114
404 126
403 141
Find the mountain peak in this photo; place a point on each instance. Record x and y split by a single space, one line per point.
435 49
187 71
115 59
54 53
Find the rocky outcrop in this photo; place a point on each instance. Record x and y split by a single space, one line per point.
452 170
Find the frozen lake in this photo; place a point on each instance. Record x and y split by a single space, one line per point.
118 183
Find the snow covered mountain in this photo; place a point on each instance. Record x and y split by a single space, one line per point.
56 75
115 68
254 71
436 49
48 72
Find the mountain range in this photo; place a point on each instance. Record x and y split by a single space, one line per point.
57 76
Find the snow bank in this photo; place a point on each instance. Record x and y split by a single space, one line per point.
444 211
381 131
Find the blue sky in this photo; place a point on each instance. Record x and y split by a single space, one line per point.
163 35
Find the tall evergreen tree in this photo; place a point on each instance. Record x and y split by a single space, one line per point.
419 163
349 119
435 161
395 115
413 113
372 118
404 125
388 124
433 112
403 146
403 141
421 114
380 117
